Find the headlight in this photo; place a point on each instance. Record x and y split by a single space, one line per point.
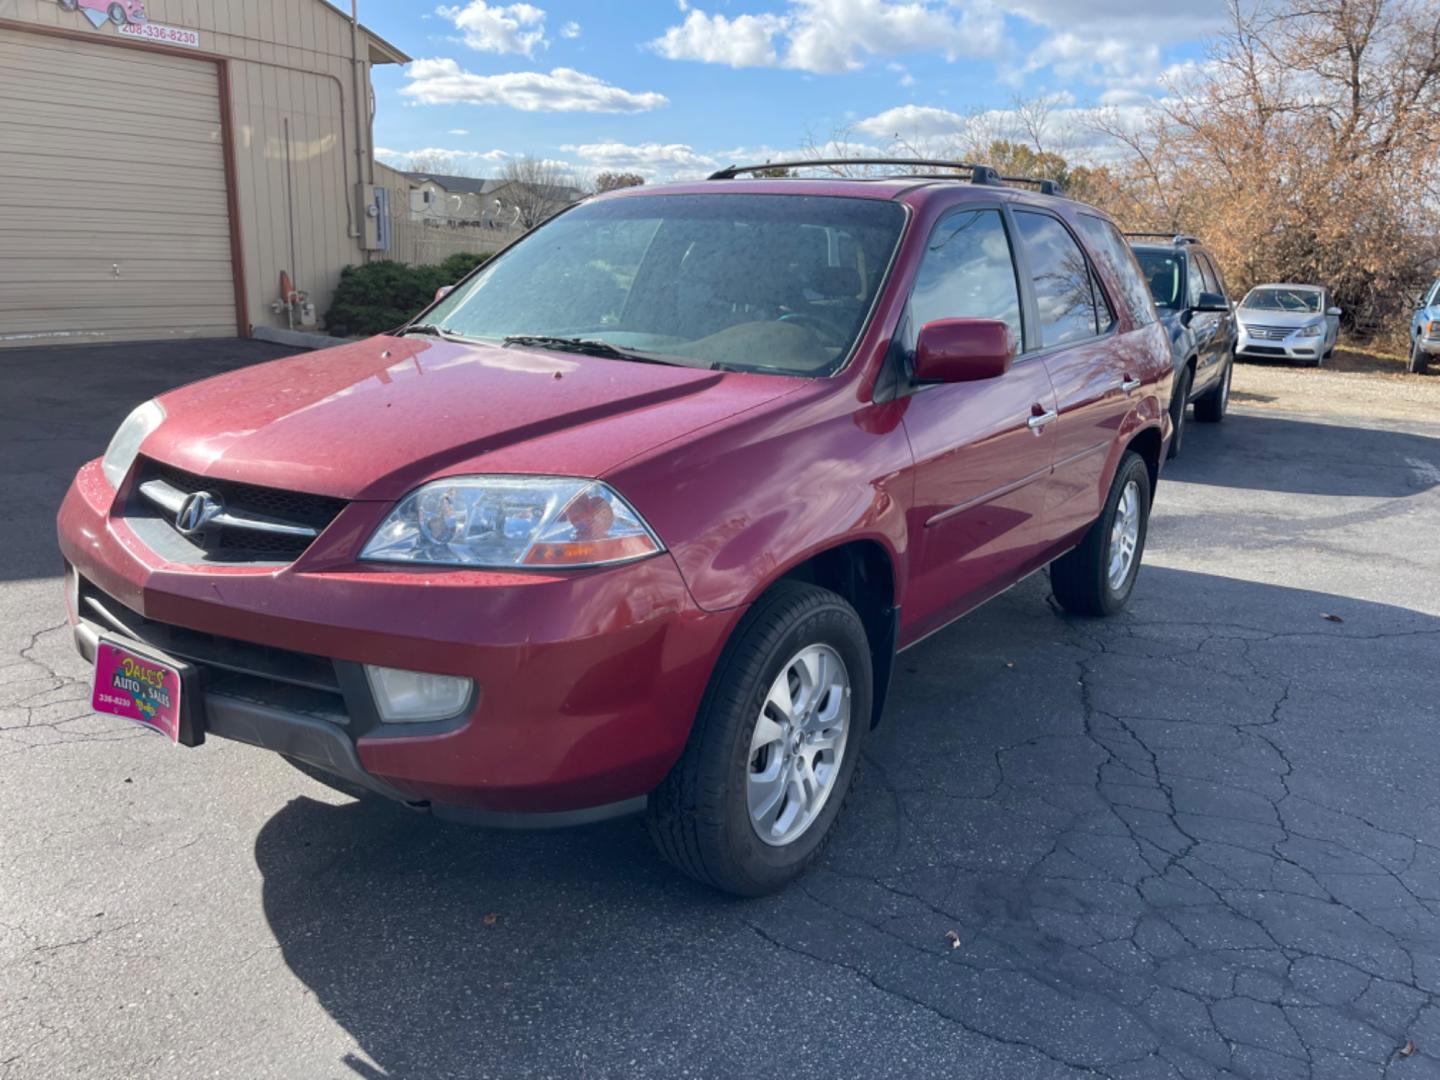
512 521
125 444
1313 330
1432 329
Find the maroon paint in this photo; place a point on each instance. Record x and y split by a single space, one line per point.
591 678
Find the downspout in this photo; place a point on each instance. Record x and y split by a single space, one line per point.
362 105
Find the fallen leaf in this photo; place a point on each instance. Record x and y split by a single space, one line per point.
1408 1048
1331 618
491 919
952 937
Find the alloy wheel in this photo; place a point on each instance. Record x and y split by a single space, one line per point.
798 744
1124 535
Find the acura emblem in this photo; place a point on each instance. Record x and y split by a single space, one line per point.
197 511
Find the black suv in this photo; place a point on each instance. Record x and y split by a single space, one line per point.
1190 295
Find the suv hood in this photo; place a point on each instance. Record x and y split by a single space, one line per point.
375 419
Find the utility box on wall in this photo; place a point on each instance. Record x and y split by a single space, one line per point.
377 217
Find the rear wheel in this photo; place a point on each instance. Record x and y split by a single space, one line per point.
1179 402
770 759
1210 409
1419 359
1096 578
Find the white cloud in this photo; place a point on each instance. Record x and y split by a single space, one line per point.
744 41
570 30
1066 128
829 36
509 28
444 82
458 131
645 158
404 159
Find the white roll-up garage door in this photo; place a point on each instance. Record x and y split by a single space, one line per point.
114 220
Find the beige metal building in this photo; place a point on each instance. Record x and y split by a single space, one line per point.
162 162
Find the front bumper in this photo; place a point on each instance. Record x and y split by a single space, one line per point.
587 683
1287 348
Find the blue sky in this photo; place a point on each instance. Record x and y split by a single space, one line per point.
671 88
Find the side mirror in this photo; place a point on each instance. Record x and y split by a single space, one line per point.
963 350
443 291
1211 301
1333 311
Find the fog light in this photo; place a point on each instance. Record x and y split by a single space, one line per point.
412 697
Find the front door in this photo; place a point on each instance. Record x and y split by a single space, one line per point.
983 449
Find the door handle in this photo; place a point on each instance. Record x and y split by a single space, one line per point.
1130 385
1039 420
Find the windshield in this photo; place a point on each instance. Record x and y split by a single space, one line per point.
771 283
1300 301
1166 277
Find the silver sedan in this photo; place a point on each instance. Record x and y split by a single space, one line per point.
1288 322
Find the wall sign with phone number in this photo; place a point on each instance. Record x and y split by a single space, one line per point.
163 35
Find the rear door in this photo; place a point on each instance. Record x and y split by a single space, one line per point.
983 450
1075 330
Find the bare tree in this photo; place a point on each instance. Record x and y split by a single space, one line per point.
439 163
614 181
536 189
1304 149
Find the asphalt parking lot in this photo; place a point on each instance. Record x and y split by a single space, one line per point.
1199 840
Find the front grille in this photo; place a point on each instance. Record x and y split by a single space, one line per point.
255 524
278 678
1269 333
1264 350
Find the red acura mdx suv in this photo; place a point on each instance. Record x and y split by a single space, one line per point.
636 518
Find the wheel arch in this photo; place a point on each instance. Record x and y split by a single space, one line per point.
1147 442
863 572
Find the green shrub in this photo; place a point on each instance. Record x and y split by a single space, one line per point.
381 295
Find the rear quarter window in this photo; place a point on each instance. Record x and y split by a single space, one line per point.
1110 248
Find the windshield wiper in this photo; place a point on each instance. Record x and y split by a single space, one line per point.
432 329
588 347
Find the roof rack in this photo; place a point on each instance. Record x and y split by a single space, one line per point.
979 174
1045 187
1175 238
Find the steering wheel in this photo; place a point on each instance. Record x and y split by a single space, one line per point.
822 329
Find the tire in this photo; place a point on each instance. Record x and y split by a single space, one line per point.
1211 408
117 15
699 816
1179 404
69 5
1081 578
1419 359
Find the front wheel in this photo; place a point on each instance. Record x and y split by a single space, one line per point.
765 773
117 15
1097 576
1419 359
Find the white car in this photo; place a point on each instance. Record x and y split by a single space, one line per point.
1288 322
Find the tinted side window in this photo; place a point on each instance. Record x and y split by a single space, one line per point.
1212 273
1112 250
968 272
1207 272
1064 290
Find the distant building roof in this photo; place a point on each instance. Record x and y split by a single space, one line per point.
458 185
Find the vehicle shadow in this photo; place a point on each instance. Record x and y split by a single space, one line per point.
1259 451
1144 833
